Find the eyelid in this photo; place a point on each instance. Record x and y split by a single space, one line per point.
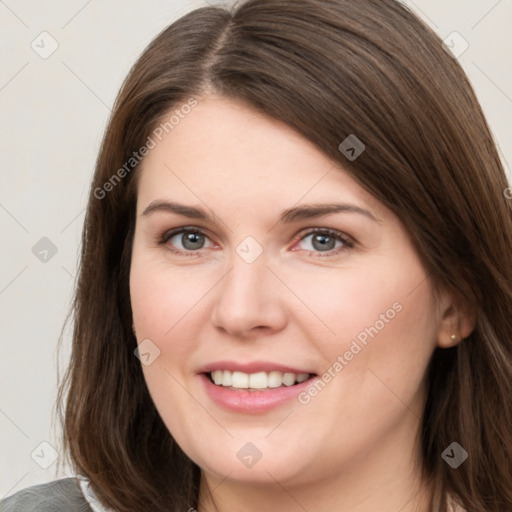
329 231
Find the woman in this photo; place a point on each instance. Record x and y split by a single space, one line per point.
295 284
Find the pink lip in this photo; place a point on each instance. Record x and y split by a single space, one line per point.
252 367
251 402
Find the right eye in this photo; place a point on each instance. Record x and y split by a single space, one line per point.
192 241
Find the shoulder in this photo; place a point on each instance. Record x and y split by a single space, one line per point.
62 495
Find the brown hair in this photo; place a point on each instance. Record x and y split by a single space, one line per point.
327 68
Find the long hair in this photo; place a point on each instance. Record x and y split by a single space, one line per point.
328 69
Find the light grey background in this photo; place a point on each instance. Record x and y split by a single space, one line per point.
54 111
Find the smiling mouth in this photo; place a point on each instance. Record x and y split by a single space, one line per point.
256 381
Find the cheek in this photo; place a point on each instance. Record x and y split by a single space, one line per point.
349 302
163 297
382 323
164 301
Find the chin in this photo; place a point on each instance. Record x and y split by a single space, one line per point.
256 462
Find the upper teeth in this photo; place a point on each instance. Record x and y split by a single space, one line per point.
260 380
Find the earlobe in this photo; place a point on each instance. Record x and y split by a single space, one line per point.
456 325
450 341
445 340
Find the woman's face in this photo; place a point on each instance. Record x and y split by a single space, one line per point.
238 270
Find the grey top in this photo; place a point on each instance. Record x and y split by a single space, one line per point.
62 495
75 495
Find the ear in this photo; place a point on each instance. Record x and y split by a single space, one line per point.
457 320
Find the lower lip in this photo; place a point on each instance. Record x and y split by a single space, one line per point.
244 401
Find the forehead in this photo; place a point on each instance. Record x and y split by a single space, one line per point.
224 150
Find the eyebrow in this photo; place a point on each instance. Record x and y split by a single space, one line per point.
288 216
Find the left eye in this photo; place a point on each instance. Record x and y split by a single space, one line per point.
324 241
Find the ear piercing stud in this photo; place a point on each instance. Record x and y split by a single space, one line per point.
454 337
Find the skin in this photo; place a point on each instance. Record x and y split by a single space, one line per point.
353 447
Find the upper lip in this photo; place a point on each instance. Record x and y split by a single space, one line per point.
252 367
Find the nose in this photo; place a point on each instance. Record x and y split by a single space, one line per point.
248 301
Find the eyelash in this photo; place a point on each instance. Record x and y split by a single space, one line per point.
337 235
